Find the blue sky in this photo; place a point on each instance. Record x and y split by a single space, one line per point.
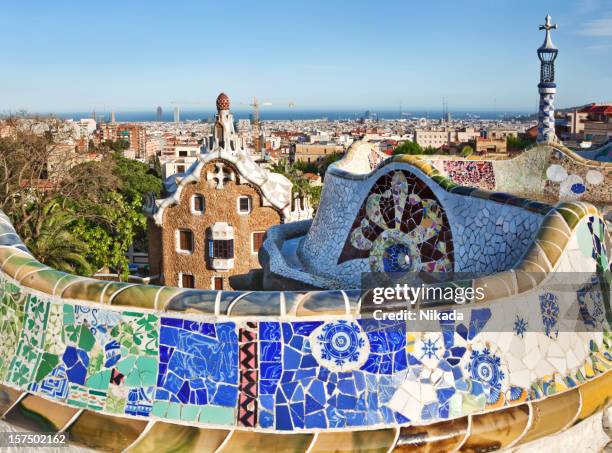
134 55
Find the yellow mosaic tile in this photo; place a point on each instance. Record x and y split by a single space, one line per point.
241 441
437 437
111 290
552 414
89 289
497 286
165 295
37 414
535 261
44 280
28 268
8 396
595 395
141 296
376 441
167 437
104 432
496 430
13 263
551 249
6 252
526 281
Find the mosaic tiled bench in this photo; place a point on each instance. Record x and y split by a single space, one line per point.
548 172
151 368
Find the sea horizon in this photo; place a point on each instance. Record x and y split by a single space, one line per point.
286 114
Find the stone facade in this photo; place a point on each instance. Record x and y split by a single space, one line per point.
220 206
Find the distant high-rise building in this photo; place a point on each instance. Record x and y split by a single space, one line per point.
112 119
159 113
177 115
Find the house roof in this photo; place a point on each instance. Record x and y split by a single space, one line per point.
275 188
601 109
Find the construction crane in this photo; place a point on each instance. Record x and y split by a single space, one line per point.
255 129
255 122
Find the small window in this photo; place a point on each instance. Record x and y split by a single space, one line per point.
187 281
217 283
257 241
221 248
185 240
182 153
244 205
180 169
198 204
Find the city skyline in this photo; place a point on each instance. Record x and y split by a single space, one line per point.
362 56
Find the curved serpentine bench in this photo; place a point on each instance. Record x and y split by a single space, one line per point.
151 368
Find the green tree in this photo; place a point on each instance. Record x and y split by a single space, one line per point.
408 148
330 159
73 215
518 143
467 151
306 167
109 229
135 178
53 241
118 145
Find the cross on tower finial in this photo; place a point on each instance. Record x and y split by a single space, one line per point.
548 26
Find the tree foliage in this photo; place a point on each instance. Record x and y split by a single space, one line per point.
518 143
73 213
301 186
467 151
409 147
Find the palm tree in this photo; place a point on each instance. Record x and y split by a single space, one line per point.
50 239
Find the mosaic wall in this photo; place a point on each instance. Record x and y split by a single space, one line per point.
401 227
398 218
543 172
569 180
306 370
315 373
471 173
293 375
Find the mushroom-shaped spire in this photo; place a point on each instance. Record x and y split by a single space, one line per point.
223 102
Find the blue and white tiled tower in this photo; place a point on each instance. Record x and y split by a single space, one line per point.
547 53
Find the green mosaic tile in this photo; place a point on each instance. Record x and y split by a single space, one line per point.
31 343
570 217
12 264
28 268
12 305
44 280
90 290
217 415
142 296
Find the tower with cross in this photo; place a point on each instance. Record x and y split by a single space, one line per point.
547 53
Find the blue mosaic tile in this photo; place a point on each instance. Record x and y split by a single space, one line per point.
198 363
309 392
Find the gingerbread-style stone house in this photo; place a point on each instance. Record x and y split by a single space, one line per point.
211 223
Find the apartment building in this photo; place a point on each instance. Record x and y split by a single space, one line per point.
134 134
313 153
